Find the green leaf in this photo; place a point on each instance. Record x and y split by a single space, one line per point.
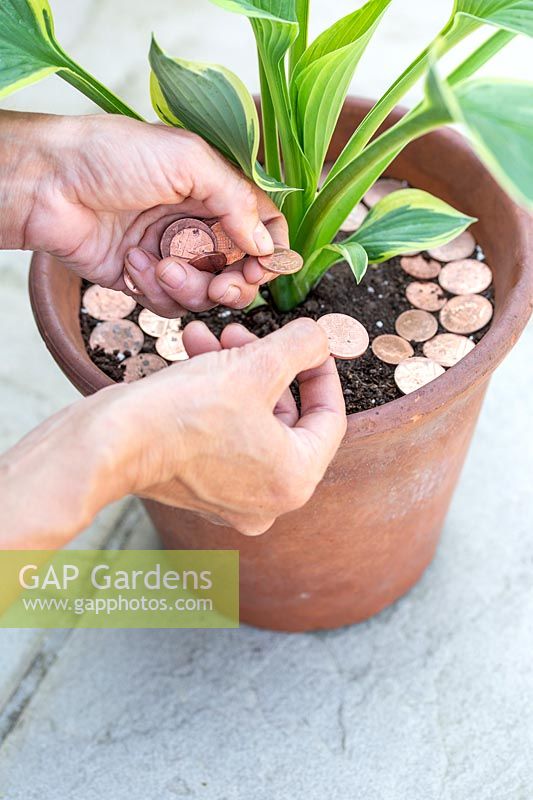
408 220
214 103
322 77
512 15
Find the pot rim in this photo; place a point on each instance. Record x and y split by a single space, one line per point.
509 321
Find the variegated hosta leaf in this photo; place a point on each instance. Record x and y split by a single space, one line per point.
322 260
214 103
408 220
512 15
274 23
322 76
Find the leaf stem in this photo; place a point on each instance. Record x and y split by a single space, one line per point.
270 126
92 88
300 45
479 57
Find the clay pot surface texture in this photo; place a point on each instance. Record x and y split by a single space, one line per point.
373 525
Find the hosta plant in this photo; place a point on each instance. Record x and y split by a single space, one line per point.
303 87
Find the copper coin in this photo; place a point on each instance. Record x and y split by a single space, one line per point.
347 338
391 349
226 245
467 276
210 262
137 367
355 219
416 326
427 296
171 346
466 313
448 348
282 261
187 238
157 326
126 277
117 336
414 373
461 247
107 304
418 267
381 189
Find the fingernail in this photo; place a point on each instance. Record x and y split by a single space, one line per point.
263 240
230 296
139 259
174 275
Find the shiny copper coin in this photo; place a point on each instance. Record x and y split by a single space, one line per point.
448 348
107 304
416 372
391 349
419 267
467 276
117 336
466 313
427 296
210 262
187 238
282 261
157 326
137 367
461 247
126 277
355 219
171 346
347 338
226 245
416 325
381 189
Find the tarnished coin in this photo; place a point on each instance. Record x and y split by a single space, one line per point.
347 338
467 276
171 346
448 348
126 277
226 245
427 296
355 219
419 267
466 313
416 372
157 326
282 261
381 189
117 336
187 238
107 304
391 349
137 367
209 262
461 247
416 325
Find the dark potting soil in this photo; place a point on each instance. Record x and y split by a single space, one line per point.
376 302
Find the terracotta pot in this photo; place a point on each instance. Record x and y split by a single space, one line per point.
373 524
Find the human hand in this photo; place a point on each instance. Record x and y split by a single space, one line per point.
102 189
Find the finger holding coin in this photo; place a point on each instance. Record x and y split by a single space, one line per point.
141 267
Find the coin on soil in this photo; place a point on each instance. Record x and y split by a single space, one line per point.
466 313
461 247
448 348
117 336
381 189
209 262
355 219
187 238
107 304
347 338
467 276
416 372
157 326
137 367
226 245
391 349
420 267
282 261
427 296
416 325
171 346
